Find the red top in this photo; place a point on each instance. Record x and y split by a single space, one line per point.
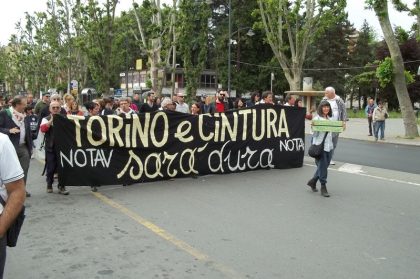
220 107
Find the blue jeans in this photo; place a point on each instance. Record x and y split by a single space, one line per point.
2 255
379 126
322 165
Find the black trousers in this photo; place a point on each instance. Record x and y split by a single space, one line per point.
3 243
51 166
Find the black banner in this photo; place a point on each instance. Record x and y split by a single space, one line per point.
108 150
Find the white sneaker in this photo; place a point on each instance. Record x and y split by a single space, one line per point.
332 163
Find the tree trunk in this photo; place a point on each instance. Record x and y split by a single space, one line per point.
399 82
154 63
296 82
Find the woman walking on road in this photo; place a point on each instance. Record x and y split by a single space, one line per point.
323 162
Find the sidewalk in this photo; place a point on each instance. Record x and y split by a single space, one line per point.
357 128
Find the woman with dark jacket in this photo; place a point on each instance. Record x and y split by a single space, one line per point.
322 163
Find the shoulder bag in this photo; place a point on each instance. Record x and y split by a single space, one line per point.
315 150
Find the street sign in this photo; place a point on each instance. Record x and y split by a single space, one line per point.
118 93
74 84
139 64
122 74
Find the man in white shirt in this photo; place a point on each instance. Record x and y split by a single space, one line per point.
339 113
12 191
182 106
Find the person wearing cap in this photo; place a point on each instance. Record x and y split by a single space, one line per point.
182 106
43 103
150 105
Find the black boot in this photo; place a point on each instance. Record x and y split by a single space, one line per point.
324 191
312 183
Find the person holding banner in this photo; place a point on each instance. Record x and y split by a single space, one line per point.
50 154
322 163
125 109
266 98
92 108
299 104
149 106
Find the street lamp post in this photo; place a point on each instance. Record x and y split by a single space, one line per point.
126 66
229 46
250 33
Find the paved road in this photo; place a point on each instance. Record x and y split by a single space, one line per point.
400 157
261 224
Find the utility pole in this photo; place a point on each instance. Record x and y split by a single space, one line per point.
173 48
271 82
68 48
126 65
229 45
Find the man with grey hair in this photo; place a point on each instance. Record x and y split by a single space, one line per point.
339 113
167 104
182 106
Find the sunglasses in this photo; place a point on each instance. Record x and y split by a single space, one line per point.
55 107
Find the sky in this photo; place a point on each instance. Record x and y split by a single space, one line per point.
13 11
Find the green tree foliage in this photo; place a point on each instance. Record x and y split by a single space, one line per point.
291 25
399 79
152 33
193 40
410 51
384 72
98 26
329 54
362 79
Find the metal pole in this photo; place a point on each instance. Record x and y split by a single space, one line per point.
173 50
126 66
271 83
229 45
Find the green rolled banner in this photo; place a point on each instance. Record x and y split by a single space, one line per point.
327 126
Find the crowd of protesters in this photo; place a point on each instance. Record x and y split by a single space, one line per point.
23 120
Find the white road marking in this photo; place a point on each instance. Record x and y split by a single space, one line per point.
351 168
372 176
